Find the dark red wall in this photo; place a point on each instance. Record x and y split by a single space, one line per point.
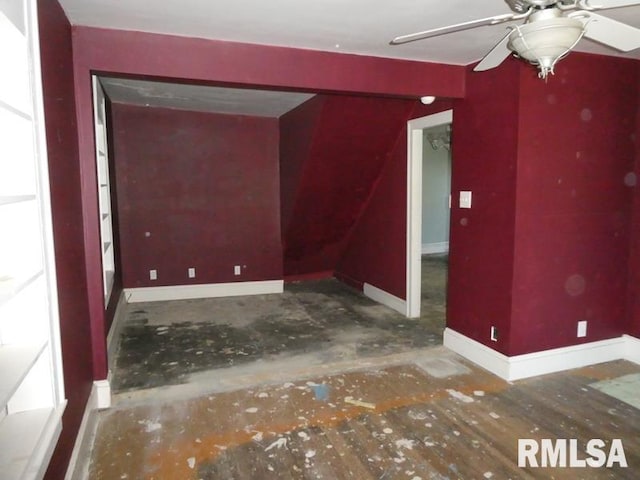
484 156
206 61
633 314
297 132
196 59
350 145
64 174
376 249
206 189
547 241
573 208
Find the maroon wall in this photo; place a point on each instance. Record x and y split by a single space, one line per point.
206 189
351 143
484 154
546 242
633 314
297 131
376 250
206 61
196 59
573 207
64 168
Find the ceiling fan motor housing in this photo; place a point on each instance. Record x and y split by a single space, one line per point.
522 6
546 37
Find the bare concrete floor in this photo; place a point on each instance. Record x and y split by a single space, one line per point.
314 323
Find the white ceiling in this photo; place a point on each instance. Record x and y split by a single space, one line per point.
260 103
362 27
348 26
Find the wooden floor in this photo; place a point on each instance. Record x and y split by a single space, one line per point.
437 418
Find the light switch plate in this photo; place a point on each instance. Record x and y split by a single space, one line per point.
465 199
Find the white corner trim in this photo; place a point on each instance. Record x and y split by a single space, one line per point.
489 359
546 361
102 389
385 298
632 353
208 290
437 247
99 398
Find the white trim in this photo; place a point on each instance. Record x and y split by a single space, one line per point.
414 205
103 393
546 361
632 353
385 298
209 290
78 463
437 247
113 337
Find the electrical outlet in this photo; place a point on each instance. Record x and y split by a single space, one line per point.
494 334
153 274
582 328
191 272
237 270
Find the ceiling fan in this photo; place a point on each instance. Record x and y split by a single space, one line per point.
551 29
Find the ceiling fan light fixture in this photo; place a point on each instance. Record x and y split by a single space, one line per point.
544 42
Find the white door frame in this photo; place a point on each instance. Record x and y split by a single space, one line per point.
414 205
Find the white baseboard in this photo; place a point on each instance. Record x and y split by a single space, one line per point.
547 361
385 298
99 398
438 247
209 290
633 349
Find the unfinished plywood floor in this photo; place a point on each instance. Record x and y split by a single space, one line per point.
444 419
313 323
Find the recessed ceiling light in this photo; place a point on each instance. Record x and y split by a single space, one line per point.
428 99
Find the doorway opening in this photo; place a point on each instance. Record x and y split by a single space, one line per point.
419 132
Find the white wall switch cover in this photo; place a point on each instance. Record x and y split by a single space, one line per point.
236 270
153 274
192 272
465 199
582 328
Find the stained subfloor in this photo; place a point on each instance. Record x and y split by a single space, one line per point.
312 323
436 417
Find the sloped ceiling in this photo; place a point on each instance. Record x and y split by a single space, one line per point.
259 103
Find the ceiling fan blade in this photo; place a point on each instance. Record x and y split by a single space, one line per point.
412 37
603 4
609 32
495 56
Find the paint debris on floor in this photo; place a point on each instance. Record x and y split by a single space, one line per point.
392 422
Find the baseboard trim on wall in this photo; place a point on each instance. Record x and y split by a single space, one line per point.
99 398
632 349
438 247
209 290
547 361
385 298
